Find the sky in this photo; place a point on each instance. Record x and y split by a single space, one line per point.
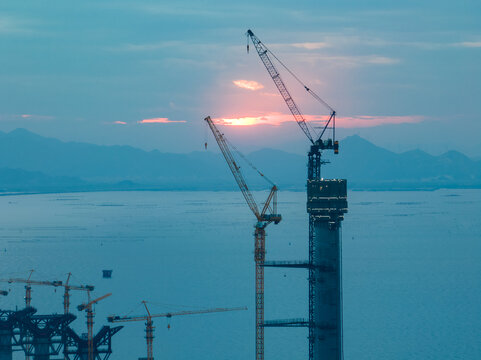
402 74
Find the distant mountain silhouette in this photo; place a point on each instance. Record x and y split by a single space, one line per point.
30 162
372 166
13 180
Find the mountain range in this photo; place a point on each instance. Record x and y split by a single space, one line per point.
33 163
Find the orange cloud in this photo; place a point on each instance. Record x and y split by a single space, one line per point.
249 85
159 121
276 119
120 122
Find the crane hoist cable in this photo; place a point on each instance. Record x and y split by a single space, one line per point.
311 92
241 155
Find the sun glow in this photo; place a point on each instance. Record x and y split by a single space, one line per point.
276 119
242 121
269 119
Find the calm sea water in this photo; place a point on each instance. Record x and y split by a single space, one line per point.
412 269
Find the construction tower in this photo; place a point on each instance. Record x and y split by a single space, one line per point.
326 206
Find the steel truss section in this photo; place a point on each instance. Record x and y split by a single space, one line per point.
77 346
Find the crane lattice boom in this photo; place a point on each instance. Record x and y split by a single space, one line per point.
276 77
263 53
239 178
116 319
90 303
234 168
32 282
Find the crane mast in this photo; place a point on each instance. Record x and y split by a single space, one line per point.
263 219
67 286
88 308
66 302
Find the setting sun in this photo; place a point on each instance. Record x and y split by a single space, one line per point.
242 121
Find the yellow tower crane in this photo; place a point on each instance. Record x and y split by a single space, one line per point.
66 296
263 219
28 287
66 299
67 286
149 328
88 308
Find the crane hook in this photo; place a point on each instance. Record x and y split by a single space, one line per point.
205 136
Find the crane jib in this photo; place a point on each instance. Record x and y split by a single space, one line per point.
271 69
239 178
263 53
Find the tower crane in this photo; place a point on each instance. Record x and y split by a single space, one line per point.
66 300
88 308
149 328
263 219
315 187
28 286
66 296
317 143
67 286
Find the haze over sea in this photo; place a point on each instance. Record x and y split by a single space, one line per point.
411 269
